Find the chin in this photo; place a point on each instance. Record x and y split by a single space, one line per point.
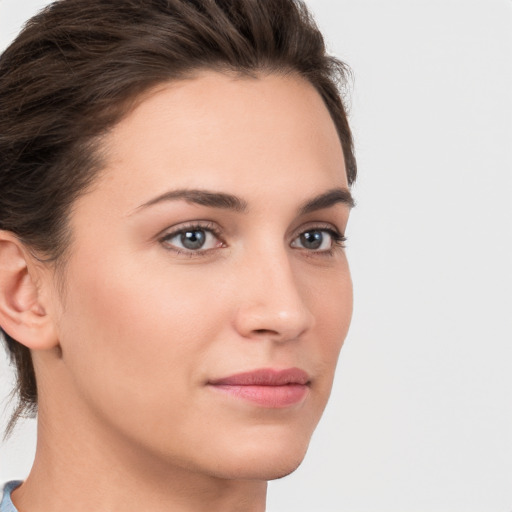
279 470
262 460
258 469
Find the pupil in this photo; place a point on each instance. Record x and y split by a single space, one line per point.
193 239
312 239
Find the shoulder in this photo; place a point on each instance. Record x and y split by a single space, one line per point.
5 495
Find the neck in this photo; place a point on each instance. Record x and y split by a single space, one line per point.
80 467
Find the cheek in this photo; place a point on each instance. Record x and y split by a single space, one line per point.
133 337
335 311
126 302
330 299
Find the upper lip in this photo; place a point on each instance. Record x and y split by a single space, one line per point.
265 377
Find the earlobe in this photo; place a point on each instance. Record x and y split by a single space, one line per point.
23 315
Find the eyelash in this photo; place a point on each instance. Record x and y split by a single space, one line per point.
338 239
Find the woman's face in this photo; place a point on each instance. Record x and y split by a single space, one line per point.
207 292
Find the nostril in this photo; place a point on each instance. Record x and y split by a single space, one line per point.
265 331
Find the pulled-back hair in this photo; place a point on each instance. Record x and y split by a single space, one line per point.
76 69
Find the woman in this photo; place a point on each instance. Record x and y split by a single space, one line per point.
175 193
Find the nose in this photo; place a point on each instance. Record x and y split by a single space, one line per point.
271 301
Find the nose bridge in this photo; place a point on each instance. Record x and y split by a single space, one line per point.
273 302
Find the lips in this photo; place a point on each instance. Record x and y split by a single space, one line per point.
266 387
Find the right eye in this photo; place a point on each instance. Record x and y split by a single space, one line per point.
192 239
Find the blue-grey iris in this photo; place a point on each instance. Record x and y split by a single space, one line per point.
193 239
312 239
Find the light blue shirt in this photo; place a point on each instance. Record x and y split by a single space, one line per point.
6 504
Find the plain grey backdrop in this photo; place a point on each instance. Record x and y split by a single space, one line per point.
420 419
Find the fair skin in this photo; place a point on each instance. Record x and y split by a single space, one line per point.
128 352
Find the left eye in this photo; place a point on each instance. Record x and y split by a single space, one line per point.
193 239
316 240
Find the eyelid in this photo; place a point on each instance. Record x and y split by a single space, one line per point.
183 226
318 226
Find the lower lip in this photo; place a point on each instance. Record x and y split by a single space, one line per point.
273 397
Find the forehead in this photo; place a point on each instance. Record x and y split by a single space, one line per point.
218 130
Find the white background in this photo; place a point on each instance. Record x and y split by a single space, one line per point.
421 413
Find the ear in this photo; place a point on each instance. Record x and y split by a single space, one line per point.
23 312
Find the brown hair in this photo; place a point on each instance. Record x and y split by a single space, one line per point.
74 69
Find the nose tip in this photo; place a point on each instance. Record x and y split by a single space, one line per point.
277 312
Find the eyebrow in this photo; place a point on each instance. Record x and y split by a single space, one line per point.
203 198
231 202
328 199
